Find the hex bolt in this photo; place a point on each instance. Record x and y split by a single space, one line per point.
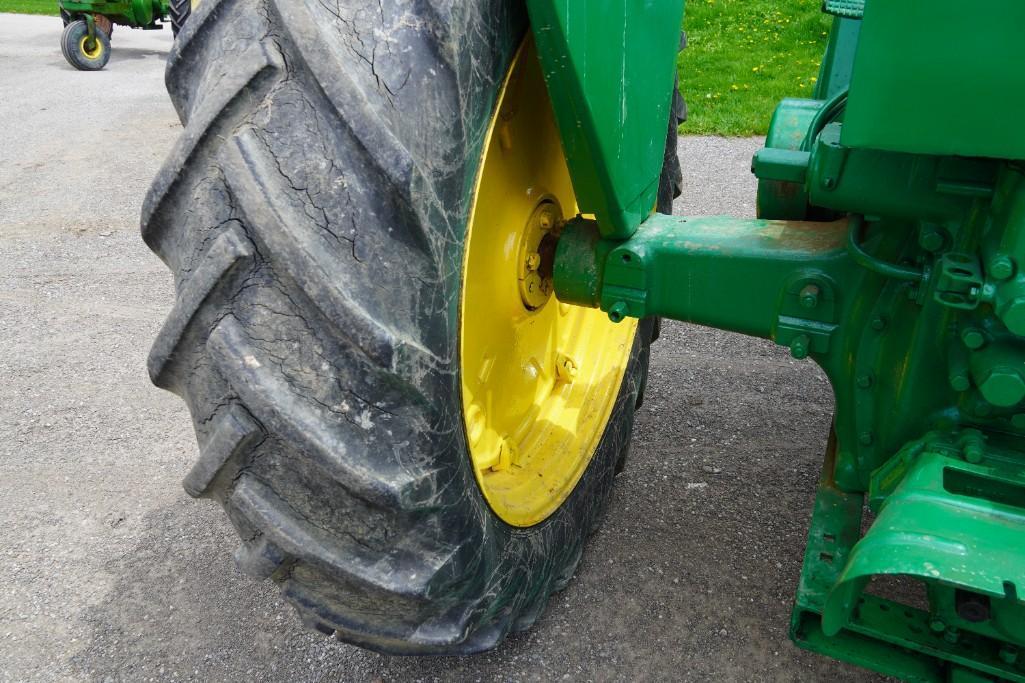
799 346
865 380
809 296
959 380
973 338
1002 385
972 446
618 311
533 261
1001 266
937 625
1012 313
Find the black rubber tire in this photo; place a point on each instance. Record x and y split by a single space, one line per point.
71 40
178 12
313 215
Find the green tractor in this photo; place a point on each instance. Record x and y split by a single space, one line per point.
89 25
421 252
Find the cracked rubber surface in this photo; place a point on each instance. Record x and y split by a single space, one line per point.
313 214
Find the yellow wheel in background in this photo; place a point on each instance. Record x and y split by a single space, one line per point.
539 378
97 49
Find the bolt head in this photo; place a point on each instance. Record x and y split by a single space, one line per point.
809 296
973 338
1001 267
1013 314
799 346
960 382
864 381
618 311
931 240
1003 386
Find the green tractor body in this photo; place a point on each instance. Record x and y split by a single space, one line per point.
889 249
86 45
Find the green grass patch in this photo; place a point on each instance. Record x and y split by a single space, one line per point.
744 56
30 6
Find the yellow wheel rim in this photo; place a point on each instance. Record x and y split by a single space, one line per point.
84 47
539 378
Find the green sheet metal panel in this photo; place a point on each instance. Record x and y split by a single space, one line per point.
609 66
940 77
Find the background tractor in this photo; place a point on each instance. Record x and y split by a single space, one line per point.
89 25
421 253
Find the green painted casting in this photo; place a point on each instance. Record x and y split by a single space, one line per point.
890 250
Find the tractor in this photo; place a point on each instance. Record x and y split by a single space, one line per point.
421 252
89 25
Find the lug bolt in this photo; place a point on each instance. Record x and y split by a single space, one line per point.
533 261
545 220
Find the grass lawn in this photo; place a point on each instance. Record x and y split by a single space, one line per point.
744 56
29 6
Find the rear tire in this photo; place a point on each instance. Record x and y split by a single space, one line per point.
313 214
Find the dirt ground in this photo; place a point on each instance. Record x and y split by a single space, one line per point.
113 573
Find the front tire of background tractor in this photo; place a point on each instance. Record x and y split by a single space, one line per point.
75 45
314 214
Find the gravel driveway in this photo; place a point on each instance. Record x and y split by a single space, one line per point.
112 572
